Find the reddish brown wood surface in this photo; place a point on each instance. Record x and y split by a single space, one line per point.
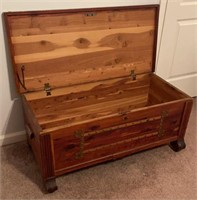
97 111
98 143
185 118
41 145
47 157
120 154
101 101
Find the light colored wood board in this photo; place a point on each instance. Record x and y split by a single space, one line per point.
114 38
139 63
66 39
94 111
105 59
97 89
99 94
86 118
63 106
69 22
83 76
85 43
80 89
117 105
85 49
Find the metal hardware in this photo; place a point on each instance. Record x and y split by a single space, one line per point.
161 131
125 118
90 14
22 82
80 134
47 89
29 132
133 75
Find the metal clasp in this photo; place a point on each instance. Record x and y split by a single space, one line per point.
47 89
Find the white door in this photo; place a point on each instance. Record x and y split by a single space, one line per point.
177 56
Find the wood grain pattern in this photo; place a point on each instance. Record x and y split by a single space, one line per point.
98 110
97 93
77 91
117 43
185 118
165 92
58 22
116 119
102 100
31 121
47 157
114 156
95 101
111 64
100 144
65 155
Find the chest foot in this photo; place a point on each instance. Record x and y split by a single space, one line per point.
50 185
177 145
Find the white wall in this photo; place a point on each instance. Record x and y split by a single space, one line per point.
11 117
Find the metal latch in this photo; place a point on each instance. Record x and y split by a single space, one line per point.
47 89
133 75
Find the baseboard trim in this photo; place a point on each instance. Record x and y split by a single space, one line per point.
12 138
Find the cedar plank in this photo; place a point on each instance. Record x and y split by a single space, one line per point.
69 22
108 121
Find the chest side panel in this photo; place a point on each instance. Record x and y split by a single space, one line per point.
75 47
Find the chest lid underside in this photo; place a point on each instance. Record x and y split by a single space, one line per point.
70 47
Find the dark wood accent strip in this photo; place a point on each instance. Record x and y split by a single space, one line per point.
11 49
43 12
155 38
46 156
185 118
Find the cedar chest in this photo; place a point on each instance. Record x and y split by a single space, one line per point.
88 86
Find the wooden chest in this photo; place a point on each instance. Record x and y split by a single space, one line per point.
88 86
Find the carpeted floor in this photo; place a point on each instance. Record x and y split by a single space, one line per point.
155 174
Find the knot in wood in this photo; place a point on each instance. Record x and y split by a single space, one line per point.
81 43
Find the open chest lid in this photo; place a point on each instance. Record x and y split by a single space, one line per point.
53 49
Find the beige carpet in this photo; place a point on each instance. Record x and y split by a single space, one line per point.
155 174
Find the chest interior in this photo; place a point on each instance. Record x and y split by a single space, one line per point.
85 103
75 67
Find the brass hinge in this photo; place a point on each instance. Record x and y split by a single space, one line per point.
47 89
133 75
